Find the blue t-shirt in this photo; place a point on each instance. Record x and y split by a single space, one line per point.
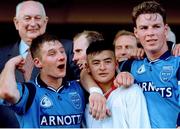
43 106
159 81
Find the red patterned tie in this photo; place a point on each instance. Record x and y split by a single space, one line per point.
28 67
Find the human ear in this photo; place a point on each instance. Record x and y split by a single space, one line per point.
37 63
135 32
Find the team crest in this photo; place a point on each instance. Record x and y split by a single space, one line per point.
75 99
45 102
166 73
141 69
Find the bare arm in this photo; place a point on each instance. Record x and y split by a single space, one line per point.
8 87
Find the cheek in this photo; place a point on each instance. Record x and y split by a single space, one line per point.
93 70
112 68
42 28
22 27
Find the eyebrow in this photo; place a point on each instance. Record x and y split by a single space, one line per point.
109 58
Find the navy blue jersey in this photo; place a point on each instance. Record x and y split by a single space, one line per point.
159 81
42 106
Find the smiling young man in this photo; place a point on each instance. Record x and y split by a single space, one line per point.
50 101
158 74
127 105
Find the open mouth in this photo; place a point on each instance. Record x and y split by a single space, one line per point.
61 66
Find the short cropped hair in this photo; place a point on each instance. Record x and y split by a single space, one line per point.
99 46
149 7
39 41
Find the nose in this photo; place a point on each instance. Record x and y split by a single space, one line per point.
150 31
32 22
123 51
61 57
74 58
102 66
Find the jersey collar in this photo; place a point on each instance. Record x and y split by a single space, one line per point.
42 84
166 55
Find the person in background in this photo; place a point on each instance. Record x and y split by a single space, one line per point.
50 101
80 43
127 105
126 44
158 73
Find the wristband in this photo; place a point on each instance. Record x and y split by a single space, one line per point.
95 90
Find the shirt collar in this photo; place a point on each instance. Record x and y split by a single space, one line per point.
42 84
164 56
23 47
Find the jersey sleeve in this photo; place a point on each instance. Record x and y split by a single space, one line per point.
137 108
27 93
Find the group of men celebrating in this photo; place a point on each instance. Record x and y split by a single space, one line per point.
49 100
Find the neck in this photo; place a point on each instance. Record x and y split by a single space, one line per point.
28 41
51 81
153 55
106 86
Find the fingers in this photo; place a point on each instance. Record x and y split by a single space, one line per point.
83 66
97 104
124 79
108 112
138 53
103 112
15 62
176 50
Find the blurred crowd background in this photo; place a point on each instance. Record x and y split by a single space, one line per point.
69 17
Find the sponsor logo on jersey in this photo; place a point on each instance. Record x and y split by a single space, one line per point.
165 92
166 73
141 69
60 120
75 99
46 102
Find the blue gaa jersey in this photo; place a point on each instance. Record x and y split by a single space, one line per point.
41 106
159 81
